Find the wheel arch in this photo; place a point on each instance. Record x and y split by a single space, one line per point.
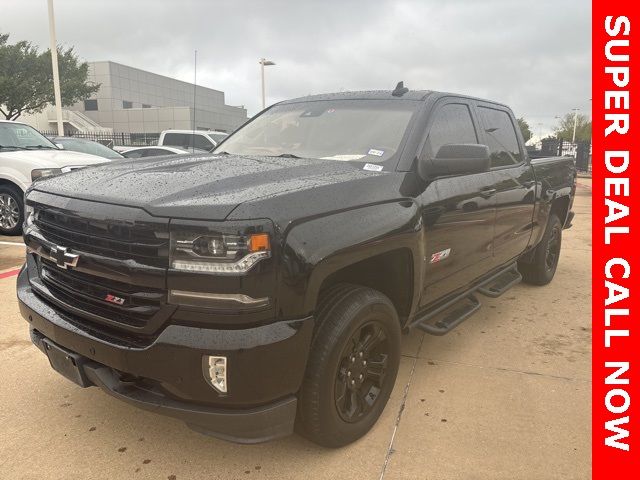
4 181
379 246
560 207
390 273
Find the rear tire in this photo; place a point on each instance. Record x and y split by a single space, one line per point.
542 268
352 366
11 210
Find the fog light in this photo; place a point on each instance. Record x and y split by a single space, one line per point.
215 371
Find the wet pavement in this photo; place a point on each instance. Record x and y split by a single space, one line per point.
11 252
507 395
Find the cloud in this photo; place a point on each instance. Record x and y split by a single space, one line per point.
534 56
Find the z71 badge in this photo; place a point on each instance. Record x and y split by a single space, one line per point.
113 299
439 256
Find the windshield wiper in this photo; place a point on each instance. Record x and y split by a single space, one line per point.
39 147
13 146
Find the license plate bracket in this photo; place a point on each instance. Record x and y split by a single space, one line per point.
66 363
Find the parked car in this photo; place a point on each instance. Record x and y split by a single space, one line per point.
26 155
188 139
270 286
86 146
152 151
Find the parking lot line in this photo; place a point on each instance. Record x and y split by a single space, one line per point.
9 273
17 244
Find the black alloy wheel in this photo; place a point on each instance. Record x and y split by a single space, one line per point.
361 374
352 365
553 248
540 267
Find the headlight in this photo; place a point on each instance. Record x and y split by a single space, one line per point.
218 253
44 172
28 215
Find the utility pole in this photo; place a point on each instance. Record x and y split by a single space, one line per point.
264 63
575 123
540 125
53 45
195 71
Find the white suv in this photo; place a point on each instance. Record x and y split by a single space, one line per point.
25 156
188 139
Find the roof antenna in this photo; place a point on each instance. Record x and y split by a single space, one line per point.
399 90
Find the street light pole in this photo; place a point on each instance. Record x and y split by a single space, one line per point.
54 64
575 123
263 63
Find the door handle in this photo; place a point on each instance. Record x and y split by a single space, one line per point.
487 192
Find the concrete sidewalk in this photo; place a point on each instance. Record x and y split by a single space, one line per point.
507 395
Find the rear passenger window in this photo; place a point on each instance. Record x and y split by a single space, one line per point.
501 137
452 125
176 139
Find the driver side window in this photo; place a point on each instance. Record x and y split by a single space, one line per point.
451 125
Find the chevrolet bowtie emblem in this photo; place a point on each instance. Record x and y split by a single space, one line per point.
63 258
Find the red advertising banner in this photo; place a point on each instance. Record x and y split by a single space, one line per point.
616 241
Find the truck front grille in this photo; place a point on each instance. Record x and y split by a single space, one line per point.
139 242
118 284
135 305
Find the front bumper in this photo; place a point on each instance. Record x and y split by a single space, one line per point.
266 366
243 426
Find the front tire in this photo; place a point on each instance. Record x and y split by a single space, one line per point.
543 266
352 366
11 210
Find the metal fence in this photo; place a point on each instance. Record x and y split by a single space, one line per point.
581 151
112 139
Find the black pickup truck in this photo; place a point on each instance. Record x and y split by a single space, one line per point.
266 286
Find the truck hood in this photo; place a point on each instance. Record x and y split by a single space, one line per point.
50 158
210 187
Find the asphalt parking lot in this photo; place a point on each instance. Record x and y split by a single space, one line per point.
507 395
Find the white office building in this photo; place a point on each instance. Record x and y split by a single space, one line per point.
131 100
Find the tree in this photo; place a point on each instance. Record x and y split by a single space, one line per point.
26 78
564 129
524 128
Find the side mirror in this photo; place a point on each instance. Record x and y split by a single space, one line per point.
458 159
60 146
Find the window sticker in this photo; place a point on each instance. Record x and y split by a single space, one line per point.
343 158
377 153
372 167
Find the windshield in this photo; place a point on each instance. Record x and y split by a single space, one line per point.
87 146
19 136
345 130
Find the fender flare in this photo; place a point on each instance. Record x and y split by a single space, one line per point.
316 248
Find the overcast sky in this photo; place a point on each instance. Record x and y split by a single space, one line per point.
533 55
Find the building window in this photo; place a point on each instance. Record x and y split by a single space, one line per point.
90 105
127 104
146 105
